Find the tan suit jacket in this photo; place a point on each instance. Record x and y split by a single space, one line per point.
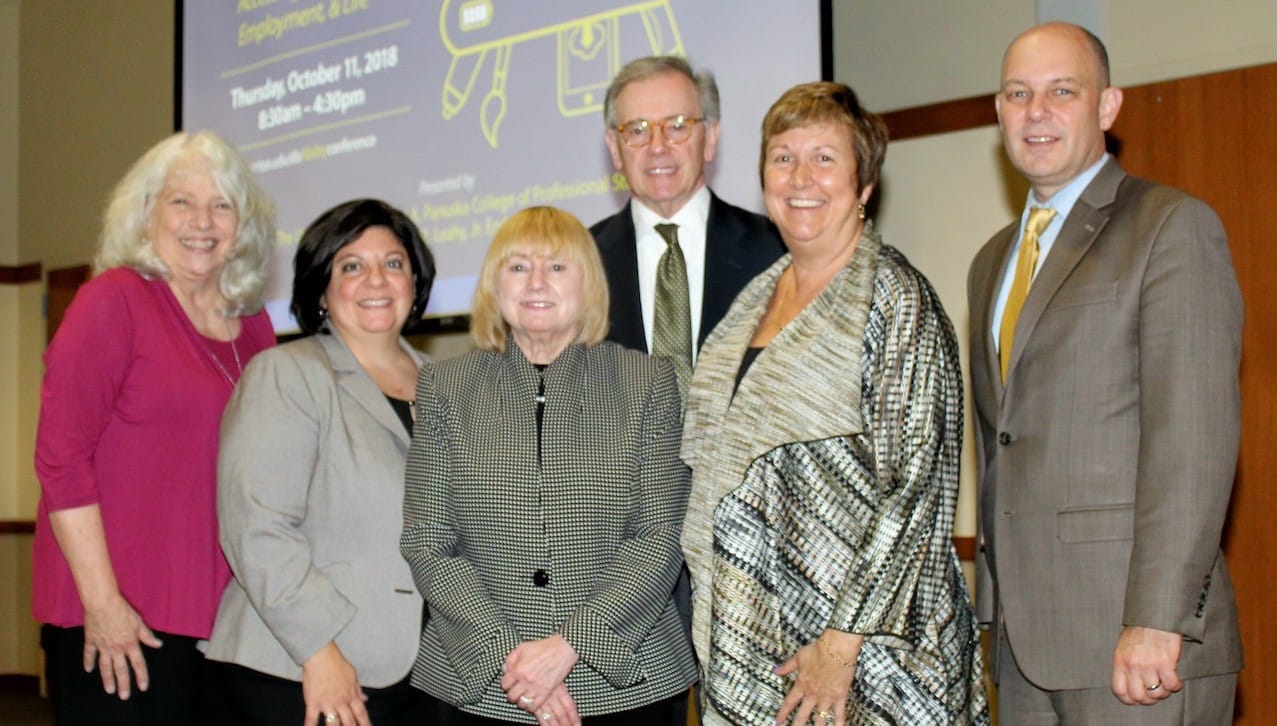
1107 460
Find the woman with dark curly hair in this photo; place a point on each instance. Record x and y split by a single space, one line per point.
323 617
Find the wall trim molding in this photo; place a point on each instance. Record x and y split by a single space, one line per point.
20 683
17 526
941 118
21 274
63 284
964 545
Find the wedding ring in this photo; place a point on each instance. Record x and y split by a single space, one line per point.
525 700
547 716
331 717
823 715
1154 687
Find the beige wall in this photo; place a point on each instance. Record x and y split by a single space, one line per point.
21 341
85 87
96 91
19 361
8 132
909 53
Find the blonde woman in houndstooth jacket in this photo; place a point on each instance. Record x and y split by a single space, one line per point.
545 499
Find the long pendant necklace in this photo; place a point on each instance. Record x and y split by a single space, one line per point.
239 367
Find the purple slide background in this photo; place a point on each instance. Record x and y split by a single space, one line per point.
443 171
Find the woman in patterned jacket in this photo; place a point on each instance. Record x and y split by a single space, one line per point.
545 498
824 429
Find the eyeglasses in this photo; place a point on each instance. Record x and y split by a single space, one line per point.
638 133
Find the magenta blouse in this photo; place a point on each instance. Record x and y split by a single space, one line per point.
131 403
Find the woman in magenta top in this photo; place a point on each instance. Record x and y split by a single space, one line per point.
128 572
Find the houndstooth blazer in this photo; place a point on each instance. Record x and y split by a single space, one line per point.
583 542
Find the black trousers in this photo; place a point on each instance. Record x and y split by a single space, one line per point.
183 689
653 714
259 699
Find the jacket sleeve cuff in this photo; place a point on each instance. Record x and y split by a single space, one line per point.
602 650
304 631
478 666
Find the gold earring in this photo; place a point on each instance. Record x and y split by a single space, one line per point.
860 211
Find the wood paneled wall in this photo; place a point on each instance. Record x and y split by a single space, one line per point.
1215 136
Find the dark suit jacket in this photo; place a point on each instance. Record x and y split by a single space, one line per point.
738 245
1107 460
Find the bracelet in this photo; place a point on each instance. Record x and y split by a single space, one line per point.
829 651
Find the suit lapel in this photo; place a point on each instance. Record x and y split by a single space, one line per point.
1081 228
723 265
618 250
355 382
985 291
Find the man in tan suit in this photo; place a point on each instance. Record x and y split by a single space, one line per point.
1107 418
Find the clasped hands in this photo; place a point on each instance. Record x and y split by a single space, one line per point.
532 678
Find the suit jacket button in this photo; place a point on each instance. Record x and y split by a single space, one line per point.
1004 438
540 578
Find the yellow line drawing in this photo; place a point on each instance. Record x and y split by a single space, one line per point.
588 53
493 109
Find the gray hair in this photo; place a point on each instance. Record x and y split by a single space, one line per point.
123 242
654 65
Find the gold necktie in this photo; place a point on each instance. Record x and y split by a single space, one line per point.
1025 264
672 324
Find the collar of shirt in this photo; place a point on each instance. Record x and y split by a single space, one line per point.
692 221
1062 202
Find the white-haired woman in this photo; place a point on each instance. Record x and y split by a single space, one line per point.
128 572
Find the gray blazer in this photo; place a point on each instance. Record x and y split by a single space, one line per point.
1106 462
512 541
310 503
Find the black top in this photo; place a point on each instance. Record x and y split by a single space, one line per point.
404 410
747 360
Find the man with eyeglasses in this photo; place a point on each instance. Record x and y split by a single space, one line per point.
662 129
676 255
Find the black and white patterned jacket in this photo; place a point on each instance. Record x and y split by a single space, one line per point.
584 542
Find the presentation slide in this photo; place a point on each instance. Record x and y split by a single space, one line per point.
462 112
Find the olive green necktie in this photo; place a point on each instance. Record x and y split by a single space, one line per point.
1025 264
672 325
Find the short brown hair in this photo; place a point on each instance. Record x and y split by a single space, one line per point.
540 231
822 102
